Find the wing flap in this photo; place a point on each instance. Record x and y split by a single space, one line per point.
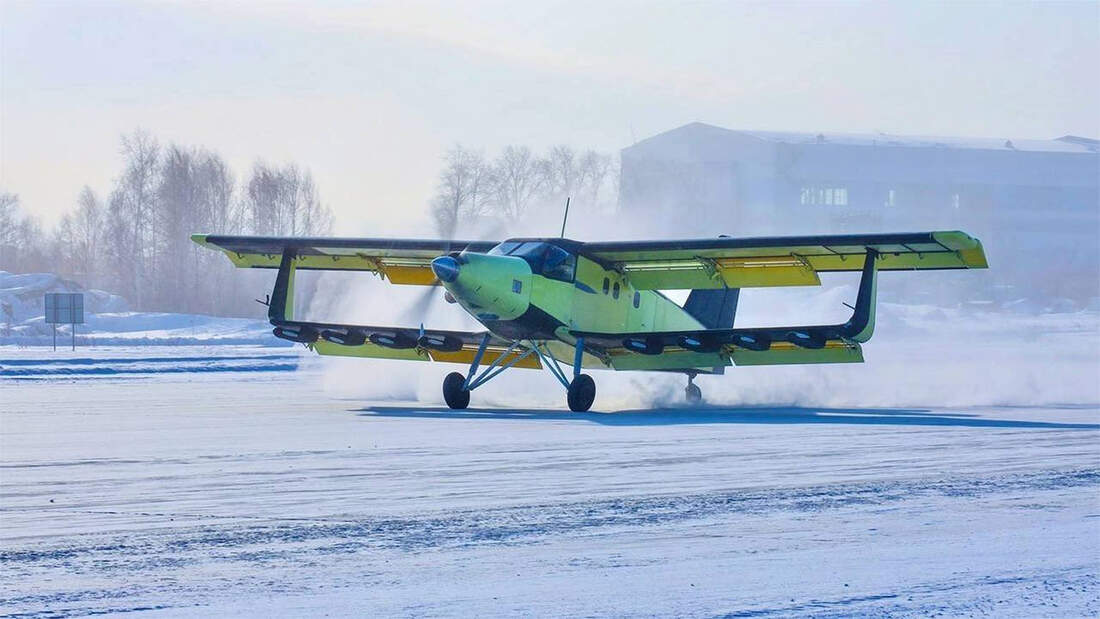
785 353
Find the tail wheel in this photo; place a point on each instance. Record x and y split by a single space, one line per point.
582 392
693 393
453 393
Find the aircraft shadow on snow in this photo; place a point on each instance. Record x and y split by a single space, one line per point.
730 415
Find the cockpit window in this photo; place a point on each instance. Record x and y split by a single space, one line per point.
504 248
545 259
560 264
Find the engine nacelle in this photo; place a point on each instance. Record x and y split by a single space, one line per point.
699 343
396 340
650 345
440 343
303 334
806 339
352 337
753 341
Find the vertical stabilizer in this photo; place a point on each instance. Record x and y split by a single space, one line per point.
714 309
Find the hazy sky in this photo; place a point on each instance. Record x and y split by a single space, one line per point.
369 95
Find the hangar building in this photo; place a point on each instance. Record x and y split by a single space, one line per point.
1034 203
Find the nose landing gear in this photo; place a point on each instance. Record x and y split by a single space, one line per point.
692 392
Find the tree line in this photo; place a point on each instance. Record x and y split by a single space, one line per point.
135 242
473 188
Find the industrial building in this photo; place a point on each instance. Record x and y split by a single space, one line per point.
1034 203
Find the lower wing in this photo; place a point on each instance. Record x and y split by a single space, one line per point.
400 343
747 346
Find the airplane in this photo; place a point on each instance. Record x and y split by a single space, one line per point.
570 306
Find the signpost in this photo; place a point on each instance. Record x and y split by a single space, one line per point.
66 308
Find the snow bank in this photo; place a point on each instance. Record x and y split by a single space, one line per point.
148 328
25 294
108 321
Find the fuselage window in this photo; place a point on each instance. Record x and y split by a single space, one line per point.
606 285
615 291
637 299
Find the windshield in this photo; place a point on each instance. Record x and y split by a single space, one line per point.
545 259
504 248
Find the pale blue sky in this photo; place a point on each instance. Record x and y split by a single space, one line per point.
368 95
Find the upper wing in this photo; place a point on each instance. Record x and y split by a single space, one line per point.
399 342
402 261
780 261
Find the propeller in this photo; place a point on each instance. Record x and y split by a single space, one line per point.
422 305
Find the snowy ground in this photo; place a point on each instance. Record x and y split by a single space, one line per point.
221 492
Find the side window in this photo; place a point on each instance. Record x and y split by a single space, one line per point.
615 291
606 285
559 264
517 286
637 299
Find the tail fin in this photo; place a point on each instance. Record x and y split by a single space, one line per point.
715 309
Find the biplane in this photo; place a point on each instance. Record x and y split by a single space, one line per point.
570 306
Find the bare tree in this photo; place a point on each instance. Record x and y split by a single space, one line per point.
311 217
130 215
518 177
594 170
284 202
9 219
88 222
464 189
561 174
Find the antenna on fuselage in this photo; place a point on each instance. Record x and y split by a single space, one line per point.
566 218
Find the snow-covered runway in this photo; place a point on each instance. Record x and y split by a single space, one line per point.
259 493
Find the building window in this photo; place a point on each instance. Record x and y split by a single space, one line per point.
615 291
828 196
637 299
606 285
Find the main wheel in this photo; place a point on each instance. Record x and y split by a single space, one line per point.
693 393
453 393
582 391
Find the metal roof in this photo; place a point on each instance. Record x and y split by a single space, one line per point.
1064 144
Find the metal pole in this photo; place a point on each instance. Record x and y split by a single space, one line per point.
566 218
74 337
55 337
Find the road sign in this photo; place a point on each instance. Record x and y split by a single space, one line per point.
64 308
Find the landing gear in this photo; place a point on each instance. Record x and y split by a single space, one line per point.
581 393
455 392
692 392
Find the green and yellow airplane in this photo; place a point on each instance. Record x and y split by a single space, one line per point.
554 302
